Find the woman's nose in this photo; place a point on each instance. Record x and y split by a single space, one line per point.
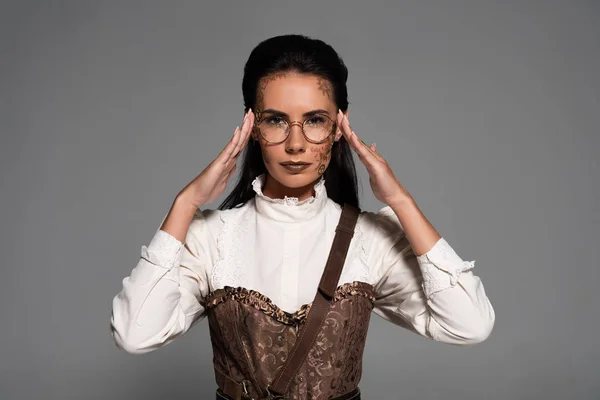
295 141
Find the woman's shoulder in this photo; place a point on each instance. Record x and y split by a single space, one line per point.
378 232
380 222
379 227
373 228
211 220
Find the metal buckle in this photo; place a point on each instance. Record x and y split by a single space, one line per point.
246 395
271 396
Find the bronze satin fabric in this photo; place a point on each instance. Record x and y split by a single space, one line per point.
251 338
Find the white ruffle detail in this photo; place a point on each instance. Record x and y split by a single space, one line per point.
215 276
228 269
259 182
441 267
455 274
436 279
356 267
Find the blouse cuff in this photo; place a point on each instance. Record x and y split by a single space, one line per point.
163 250
441 267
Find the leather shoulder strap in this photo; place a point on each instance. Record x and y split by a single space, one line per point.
322 301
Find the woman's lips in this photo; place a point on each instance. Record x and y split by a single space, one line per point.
295 167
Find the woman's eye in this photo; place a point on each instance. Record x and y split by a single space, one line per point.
316 120
274 120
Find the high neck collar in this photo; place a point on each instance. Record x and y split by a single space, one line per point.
289 209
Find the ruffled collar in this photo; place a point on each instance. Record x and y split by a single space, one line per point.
289 209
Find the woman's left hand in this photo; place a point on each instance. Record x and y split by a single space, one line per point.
384 183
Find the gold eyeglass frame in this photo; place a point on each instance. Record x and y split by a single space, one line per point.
292 123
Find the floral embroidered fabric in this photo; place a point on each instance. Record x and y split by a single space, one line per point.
252 337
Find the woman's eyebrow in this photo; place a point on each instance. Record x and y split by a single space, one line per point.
306 114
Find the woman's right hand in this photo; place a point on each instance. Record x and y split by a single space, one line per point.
211 182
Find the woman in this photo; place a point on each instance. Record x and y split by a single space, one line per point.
253 265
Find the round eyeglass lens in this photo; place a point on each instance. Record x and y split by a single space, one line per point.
316 128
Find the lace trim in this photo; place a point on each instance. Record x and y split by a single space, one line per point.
229 261
319 188
441 268
357 252
163 250
435 280
263 303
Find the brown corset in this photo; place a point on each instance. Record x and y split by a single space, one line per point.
251 338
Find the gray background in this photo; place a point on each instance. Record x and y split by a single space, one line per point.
488 112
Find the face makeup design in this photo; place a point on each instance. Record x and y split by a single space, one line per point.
325 87
260 91
322 155
295 96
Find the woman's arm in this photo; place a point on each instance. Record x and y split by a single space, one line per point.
434 294
161 298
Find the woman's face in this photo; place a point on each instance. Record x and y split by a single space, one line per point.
295 95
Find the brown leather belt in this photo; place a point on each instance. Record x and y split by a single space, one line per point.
235 390
352 395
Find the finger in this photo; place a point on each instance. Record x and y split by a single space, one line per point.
248 129
232 170
361 144
358 145
243 133
373 150
356 142
346 129
227 152
229 165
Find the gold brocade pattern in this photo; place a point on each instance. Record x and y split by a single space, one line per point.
264 303
252 337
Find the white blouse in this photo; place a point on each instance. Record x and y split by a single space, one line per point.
279 248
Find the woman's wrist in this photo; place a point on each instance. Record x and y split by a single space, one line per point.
179 218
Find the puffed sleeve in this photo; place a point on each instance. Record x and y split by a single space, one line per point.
436 294
161 298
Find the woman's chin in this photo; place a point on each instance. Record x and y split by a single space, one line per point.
294 180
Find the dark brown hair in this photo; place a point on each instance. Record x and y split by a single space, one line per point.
301 54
